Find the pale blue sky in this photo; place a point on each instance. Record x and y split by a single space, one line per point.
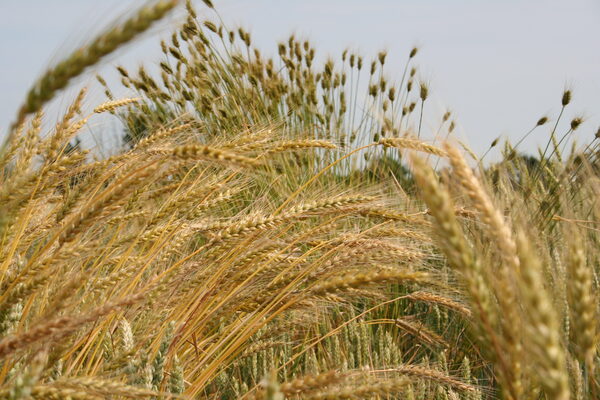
499 65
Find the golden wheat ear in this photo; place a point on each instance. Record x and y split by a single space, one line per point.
59 77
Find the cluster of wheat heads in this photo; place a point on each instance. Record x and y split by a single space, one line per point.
235 249
216 73
177 267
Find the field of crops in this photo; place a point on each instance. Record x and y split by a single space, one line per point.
276 227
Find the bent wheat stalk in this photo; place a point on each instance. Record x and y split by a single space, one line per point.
58 77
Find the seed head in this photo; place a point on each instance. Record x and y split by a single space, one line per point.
413 52
382 56
123 72
566 98
246 39
542 121
211 26
424 91
113 105
174 40
101 80
392 94
190 8
386 106
575 122
451 128
373 89
165 67
383 84
328 67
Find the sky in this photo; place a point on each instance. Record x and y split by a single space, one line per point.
498 65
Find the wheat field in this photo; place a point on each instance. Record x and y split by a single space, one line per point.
275 227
